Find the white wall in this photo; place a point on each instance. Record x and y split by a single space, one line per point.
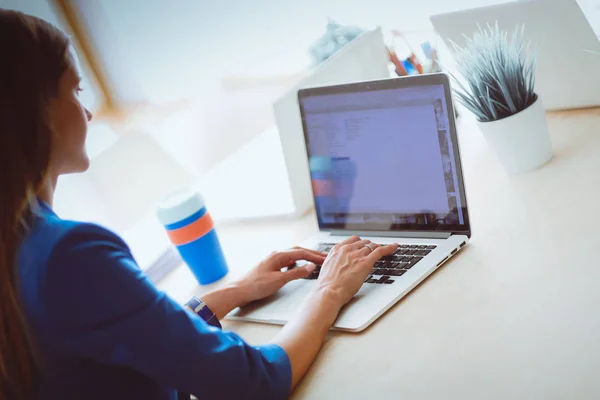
158 52
161 51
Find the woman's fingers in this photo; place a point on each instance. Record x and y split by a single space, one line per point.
317 252
290 256
367 249
298 273
359 245
381 251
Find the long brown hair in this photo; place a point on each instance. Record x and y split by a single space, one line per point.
34 57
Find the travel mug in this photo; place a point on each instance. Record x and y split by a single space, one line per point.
191 229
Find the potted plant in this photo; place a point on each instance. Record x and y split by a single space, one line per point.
499 72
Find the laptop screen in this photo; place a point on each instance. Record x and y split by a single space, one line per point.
384 158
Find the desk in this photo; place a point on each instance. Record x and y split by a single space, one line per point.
515 315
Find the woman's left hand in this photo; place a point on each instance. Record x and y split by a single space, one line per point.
267 277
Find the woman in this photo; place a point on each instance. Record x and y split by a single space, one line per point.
78 319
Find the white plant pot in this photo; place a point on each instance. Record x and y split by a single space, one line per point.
521 142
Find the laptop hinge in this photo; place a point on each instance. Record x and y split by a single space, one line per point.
403 234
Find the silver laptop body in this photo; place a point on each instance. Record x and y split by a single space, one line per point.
385 165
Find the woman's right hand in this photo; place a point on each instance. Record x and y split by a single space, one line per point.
347 266
342 274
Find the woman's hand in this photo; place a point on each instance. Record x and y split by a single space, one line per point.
264 280
347 266
267 278
342 274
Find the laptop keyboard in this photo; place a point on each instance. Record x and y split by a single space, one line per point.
389 267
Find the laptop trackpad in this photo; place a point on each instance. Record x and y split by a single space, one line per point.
284 304
280 306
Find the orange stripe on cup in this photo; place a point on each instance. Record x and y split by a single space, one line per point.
191 232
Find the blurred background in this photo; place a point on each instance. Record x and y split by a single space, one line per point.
177 87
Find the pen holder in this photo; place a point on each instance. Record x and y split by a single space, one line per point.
191 230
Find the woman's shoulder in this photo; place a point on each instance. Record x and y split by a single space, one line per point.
52 238
48 233
75 266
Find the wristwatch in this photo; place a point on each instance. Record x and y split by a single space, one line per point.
198 307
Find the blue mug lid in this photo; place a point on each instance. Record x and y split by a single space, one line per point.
178 206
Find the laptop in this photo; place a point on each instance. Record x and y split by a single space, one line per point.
568 58
384 164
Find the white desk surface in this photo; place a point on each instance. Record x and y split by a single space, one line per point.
515 315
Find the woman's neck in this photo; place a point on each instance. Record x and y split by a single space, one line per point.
46 193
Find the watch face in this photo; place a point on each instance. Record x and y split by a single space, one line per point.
195 304
198 307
